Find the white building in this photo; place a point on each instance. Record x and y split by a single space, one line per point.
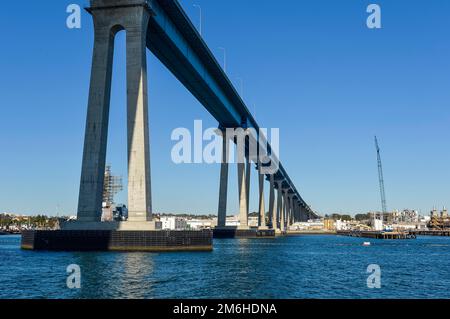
425 219
198 224
232 221
377 224
407 227
310 225
406 216
173 223
253 221
342 225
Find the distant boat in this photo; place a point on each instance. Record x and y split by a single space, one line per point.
366 243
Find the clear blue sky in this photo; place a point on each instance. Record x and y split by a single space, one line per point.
311 68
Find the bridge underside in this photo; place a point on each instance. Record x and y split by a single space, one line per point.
176 43
163 27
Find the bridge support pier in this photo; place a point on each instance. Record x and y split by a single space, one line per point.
139 184
284 210
279 219
297 212
223 188
290 210
96 132
242 188
262 210
248 169
107 22
294 211
272 208
307 215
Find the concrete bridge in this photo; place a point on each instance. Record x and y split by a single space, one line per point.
164 28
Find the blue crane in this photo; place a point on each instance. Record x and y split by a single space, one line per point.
381 180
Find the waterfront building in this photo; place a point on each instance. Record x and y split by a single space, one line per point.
309 225
405 227
253 221
405 216
198 224
388 218
439 220
342 225
377 224
444 213
232 221
173 223
434 213
329 224
425 219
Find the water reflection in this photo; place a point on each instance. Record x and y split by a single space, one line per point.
136 281
114 275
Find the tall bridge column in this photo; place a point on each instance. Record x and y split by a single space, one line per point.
297 212
286 209
272 208
242 188
303 214
139 184
306 214
223 188
244 171
279 218
96 132
262 209
283 210
291 209
294 210
248 169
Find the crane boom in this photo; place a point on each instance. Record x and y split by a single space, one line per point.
381 180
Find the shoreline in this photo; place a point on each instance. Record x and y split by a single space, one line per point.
310 232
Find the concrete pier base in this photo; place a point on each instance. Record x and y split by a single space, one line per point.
119 226
113 240
280 232
234 232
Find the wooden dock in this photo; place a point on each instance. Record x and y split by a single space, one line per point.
377 234
443 233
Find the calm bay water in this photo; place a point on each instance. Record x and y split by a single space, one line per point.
289 267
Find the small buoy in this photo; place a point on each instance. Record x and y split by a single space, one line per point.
366 243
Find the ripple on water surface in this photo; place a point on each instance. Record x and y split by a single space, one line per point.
285 267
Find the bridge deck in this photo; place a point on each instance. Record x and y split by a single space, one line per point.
178 45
